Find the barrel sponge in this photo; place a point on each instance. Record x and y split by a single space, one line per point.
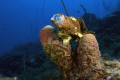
60 54
46 34
89 58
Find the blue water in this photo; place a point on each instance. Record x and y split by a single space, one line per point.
19 17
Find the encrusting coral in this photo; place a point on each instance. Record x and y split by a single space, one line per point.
113 69
83 64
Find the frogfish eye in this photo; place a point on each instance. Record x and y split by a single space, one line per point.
58 18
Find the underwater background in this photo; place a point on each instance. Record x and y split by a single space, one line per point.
21 53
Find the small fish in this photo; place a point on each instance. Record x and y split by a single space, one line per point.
13 17
78 11
27 37
32 60
4 28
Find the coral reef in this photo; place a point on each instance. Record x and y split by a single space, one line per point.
89 18
9 78
39 67
50 71
35 67
109 38
84 63
107 33
113 69
118 6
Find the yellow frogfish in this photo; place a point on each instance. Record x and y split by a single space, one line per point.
69 28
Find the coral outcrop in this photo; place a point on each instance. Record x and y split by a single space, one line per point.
109 39
9 78
113 69
83 64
